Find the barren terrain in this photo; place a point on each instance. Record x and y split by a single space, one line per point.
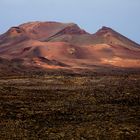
70 107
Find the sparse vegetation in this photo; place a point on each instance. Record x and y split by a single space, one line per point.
70 107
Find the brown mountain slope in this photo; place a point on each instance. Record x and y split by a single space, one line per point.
59 45
44 30
109 36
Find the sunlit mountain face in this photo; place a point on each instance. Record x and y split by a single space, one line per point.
54 45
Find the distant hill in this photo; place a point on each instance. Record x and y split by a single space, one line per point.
54 45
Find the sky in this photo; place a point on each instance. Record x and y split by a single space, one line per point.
121 15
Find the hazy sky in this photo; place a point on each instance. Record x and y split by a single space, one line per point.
121 15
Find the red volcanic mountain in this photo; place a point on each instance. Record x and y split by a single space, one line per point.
53 45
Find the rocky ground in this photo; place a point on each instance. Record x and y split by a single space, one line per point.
70 107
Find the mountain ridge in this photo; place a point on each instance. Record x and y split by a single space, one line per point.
55 45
